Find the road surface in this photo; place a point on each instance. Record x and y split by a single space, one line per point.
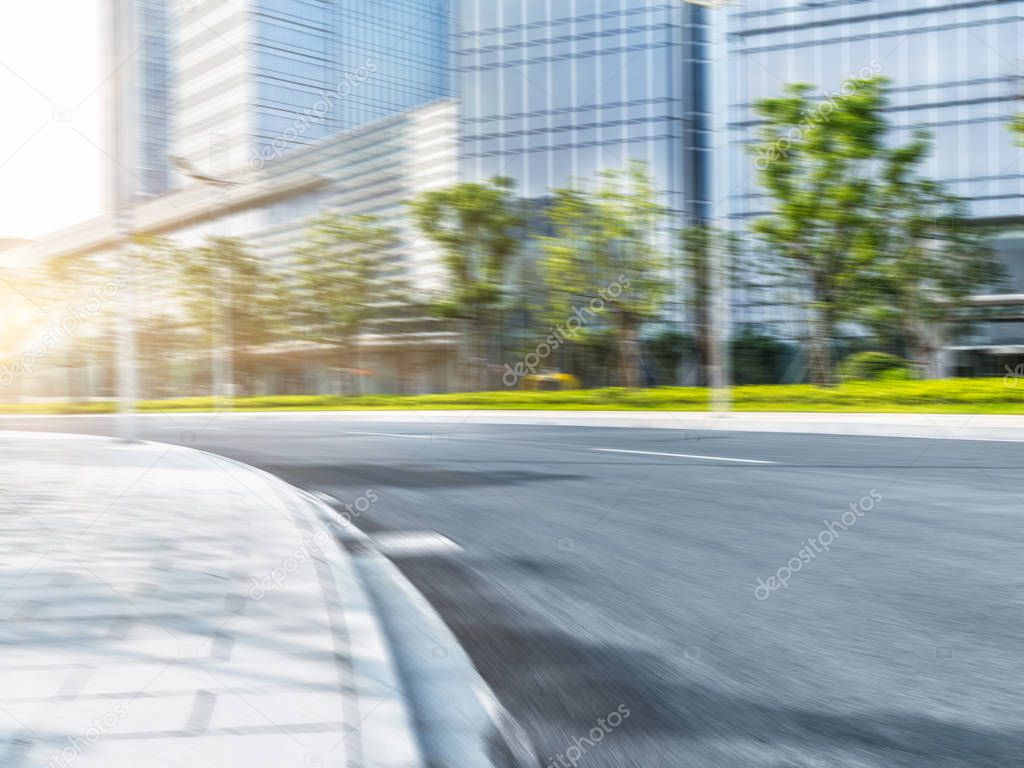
739 599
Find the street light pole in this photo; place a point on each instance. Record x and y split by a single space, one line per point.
720 251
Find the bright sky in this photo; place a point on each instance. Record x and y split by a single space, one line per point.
50 70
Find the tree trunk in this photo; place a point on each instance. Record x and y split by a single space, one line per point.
482 356
703 347
342 363
819 353
357 365
628 368
464 365
925 343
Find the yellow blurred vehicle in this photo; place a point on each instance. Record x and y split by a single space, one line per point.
551 382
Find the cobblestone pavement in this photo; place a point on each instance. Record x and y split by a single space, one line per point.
161 606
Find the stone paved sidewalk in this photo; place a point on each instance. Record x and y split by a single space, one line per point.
165 607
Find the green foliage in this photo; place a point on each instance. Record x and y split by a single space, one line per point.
232 299
857 229
666 351
1017 126
935 396
897 374
928 259
606 239
479 228
229 290
347 276
756 358
873 365
816 162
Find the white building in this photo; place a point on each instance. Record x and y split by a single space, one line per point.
372 170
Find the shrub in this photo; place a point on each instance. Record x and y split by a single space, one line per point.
756 358
875 365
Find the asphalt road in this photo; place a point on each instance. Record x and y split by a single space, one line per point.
589 581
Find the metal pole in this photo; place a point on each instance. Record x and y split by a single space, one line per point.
126 368
721 369
720 255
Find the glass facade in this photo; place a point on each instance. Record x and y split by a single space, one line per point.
955 69
261 77
153 86
395 55
553 90
323 66
295 44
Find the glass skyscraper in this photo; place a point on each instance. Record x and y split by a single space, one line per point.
408 45
296 58
139 94
955 69
257 78
553 90
153 32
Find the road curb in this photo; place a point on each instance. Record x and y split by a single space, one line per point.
446 714
940 426
386 730
459 720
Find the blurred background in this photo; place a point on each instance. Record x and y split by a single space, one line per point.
262 197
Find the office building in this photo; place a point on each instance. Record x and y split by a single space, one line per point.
556 90
954 70
257 78
155 83
371 170
406 43
139 91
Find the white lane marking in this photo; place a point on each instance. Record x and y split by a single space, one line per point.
414 543
684 456
392 434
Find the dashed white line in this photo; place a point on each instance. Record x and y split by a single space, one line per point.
392 434
414 543
684 456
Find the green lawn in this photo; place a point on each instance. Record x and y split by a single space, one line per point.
945 396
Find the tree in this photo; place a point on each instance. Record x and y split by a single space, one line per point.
858 228
347 278
162 334
231 297
82 292
815 163
930 259
479 228
1017 126
607 255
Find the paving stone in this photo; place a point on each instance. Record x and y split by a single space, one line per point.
159 606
